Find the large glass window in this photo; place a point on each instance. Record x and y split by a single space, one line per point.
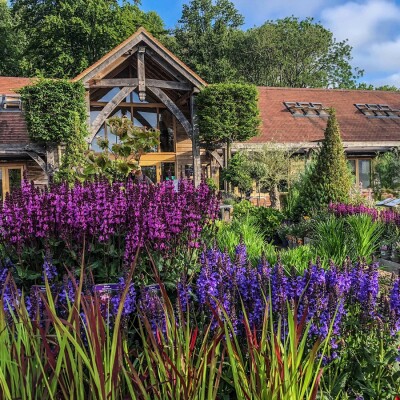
361 169
364 173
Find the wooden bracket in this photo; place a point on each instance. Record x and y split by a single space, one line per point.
107 110
173 108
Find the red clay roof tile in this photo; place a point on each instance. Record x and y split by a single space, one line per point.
279 125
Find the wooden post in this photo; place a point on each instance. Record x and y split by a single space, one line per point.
141 73
195 143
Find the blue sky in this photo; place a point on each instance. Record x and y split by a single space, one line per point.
372 27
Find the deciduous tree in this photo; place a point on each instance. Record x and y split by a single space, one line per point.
203 38
294 53
65 37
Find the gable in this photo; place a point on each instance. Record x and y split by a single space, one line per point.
160 55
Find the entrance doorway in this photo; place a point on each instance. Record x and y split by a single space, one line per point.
10 178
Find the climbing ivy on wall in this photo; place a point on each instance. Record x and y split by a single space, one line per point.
55 112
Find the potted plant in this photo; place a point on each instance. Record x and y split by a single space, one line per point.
385 251
395 255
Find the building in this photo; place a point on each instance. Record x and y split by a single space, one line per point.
142 80
369 121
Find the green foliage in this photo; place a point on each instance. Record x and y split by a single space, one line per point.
387 171
203 38
330 239
227 113
293 53
270 166
367 365
297 260
354 236
267 219
246 230
365 235
330 178
65 38
11 43
272 367
237 173
179 363
120 159
55 112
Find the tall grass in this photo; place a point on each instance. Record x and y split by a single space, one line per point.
246 230
273 366
331 239
365 235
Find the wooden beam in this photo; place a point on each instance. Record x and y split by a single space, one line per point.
115 82
195 143
141 73
217 157
21 148
107 110
173 108
112 62
125 104
127 82
39 160
166 66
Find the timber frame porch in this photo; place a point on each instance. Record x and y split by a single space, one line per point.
144 81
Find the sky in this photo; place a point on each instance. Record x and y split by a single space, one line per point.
372 27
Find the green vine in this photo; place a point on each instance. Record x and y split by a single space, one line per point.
55 112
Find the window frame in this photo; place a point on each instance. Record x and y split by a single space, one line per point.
357 170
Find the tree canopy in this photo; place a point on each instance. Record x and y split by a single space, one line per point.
227 113
203 38
10 44
294 53
63 38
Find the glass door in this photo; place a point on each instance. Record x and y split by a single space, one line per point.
11 178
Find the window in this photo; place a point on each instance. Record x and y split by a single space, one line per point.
361 169
378 110
10 102
304 109
10 178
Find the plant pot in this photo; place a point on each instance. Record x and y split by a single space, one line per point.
395 256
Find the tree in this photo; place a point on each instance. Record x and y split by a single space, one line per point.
203 38
227 113
387 171
11 44
237 173
64 38
330 178
271 165
294 53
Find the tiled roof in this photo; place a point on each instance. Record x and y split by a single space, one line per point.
13 128
280 126
9 84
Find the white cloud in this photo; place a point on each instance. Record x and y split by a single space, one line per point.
393 79
383 56
257 12
373 30
362 22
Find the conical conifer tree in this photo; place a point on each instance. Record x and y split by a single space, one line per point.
330 178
